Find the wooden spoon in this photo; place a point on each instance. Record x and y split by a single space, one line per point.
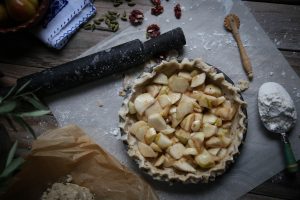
232 24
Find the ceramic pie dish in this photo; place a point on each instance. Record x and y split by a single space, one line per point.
183 121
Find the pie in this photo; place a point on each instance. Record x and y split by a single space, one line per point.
183 122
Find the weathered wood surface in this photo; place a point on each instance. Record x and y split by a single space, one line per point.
22 54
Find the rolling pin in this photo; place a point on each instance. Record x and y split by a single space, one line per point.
101 64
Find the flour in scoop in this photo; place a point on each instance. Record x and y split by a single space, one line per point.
276 108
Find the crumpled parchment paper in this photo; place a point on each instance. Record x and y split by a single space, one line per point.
69 150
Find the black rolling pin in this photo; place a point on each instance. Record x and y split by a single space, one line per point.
101 64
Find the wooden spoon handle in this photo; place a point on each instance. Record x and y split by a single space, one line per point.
245 59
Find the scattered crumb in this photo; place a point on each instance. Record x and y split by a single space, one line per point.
67 191
99 104
243 85
122 93
271 73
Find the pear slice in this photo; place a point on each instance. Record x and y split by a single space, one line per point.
204 100
165 112
169 161
163 141
190 151
185 75
146 150
150 135
161 79
160 161
197 107
194 73
176 150
155 147
164 90
178 84
134 127
219 101
174 140
190 143
209 118
154 108
198 80
214 142
153 89
226 125
168 131
222 153
199 116
198 139
157 121
212 90
185 107
196 125
164 100
182 135
205 160
214 151
131 108
223 132
174 97
142 102
174 120
226 111
200 136
186 123
226 141
184 166
140 133
209 130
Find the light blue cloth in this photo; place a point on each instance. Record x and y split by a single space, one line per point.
62 20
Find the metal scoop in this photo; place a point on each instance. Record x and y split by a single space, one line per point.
278 114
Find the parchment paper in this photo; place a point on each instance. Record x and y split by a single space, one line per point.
202 22
69 150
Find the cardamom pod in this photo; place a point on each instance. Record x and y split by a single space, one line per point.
131 3
87 26
97 22
112 13
124 16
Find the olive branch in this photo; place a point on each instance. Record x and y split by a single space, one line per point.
16 105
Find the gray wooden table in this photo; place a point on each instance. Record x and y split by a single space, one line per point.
22 54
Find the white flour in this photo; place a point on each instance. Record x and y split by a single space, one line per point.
276 108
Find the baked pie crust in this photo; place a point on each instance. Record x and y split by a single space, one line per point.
183 122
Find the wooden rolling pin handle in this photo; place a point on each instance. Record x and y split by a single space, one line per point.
245 59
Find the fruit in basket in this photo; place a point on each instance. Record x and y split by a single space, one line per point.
3 14
21 10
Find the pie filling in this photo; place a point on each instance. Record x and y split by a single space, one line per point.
183 121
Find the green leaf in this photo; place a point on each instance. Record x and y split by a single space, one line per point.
23 87
10 92
7 107
35 97
35 113
26 126
36 103
10 122
14 165
11 153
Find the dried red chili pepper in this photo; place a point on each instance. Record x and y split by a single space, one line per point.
156 2
157 10
136 17
177 11
153 31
